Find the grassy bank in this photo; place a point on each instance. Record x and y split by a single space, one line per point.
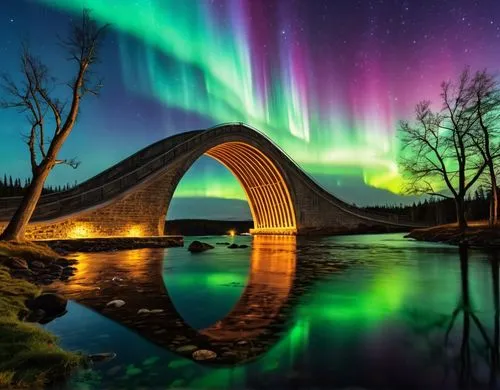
477 234
27 251
29 355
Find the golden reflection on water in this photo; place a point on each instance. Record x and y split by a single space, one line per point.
93 268
273 261
136 277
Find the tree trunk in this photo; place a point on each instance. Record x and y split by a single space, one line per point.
494 198
17 226
460 209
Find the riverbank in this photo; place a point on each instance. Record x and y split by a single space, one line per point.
478 234
102 244
29 355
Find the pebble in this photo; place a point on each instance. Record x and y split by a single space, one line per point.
204 354
116 303
186 348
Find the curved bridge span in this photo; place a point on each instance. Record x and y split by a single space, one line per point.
131 198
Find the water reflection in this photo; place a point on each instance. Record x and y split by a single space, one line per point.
252 326
336 312
272 269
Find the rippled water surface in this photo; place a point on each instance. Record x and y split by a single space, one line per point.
372 311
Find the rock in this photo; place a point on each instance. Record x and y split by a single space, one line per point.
115 303
102 357
17 263
198 246
21 273
54 271
62 261
186 348
68 270
55 268
233 246
35 315
47 318
37 264
143 311
204 354
243 246
51 304
156 311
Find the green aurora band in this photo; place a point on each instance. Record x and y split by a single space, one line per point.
202 60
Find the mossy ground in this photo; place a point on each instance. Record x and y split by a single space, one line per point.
27 250
29 355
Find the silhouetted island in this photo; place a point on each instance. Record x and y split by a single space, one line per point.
206 227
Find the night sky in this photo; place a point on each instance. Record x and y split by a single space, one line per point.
327 80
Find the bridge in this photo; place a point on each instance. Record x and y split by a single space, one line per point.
132 197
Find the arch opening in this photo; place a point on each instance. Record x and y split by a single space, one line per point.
266 190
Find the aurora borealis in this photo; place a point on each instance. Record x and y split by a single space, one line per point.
326 80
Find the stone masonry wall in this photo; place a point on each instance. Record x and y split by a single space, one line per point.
141 213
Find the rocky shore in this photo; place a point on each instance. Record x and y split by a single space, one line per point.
37 271
112 243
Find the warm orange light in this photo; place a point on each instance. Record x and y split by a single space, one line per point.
273 264
267 191
80 231
232 232
135 231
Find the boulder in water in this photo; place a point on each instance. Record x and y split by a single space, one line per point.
198 246
51 304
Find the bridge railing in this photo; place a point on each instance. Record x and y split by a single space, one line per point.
104 180
80 196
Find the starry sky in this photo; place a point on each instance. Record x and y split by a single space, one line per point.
326 80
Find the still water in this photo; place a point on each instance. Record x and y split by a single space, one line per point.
370 311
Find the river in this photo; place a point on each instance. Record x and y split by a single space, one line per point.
361 311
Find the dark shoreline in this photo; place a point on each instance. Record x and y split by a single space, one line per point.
112 243
479 236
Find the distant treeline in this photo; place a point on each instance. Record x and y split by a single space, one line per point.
202 227
436 211
16 187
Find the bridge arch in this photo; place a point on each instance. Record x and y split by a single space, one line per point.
132 197
265 185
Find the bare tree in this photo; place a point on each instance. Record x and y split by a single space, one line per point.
438 149
485 91
34 96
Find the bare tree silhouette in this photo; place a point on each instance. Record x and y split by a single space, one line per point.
439 146
485 91
33 97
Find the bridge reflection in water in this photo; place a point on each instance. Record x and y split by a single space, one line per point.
252 326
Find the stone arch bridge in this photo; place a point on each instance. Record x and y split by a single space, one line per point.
131 198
